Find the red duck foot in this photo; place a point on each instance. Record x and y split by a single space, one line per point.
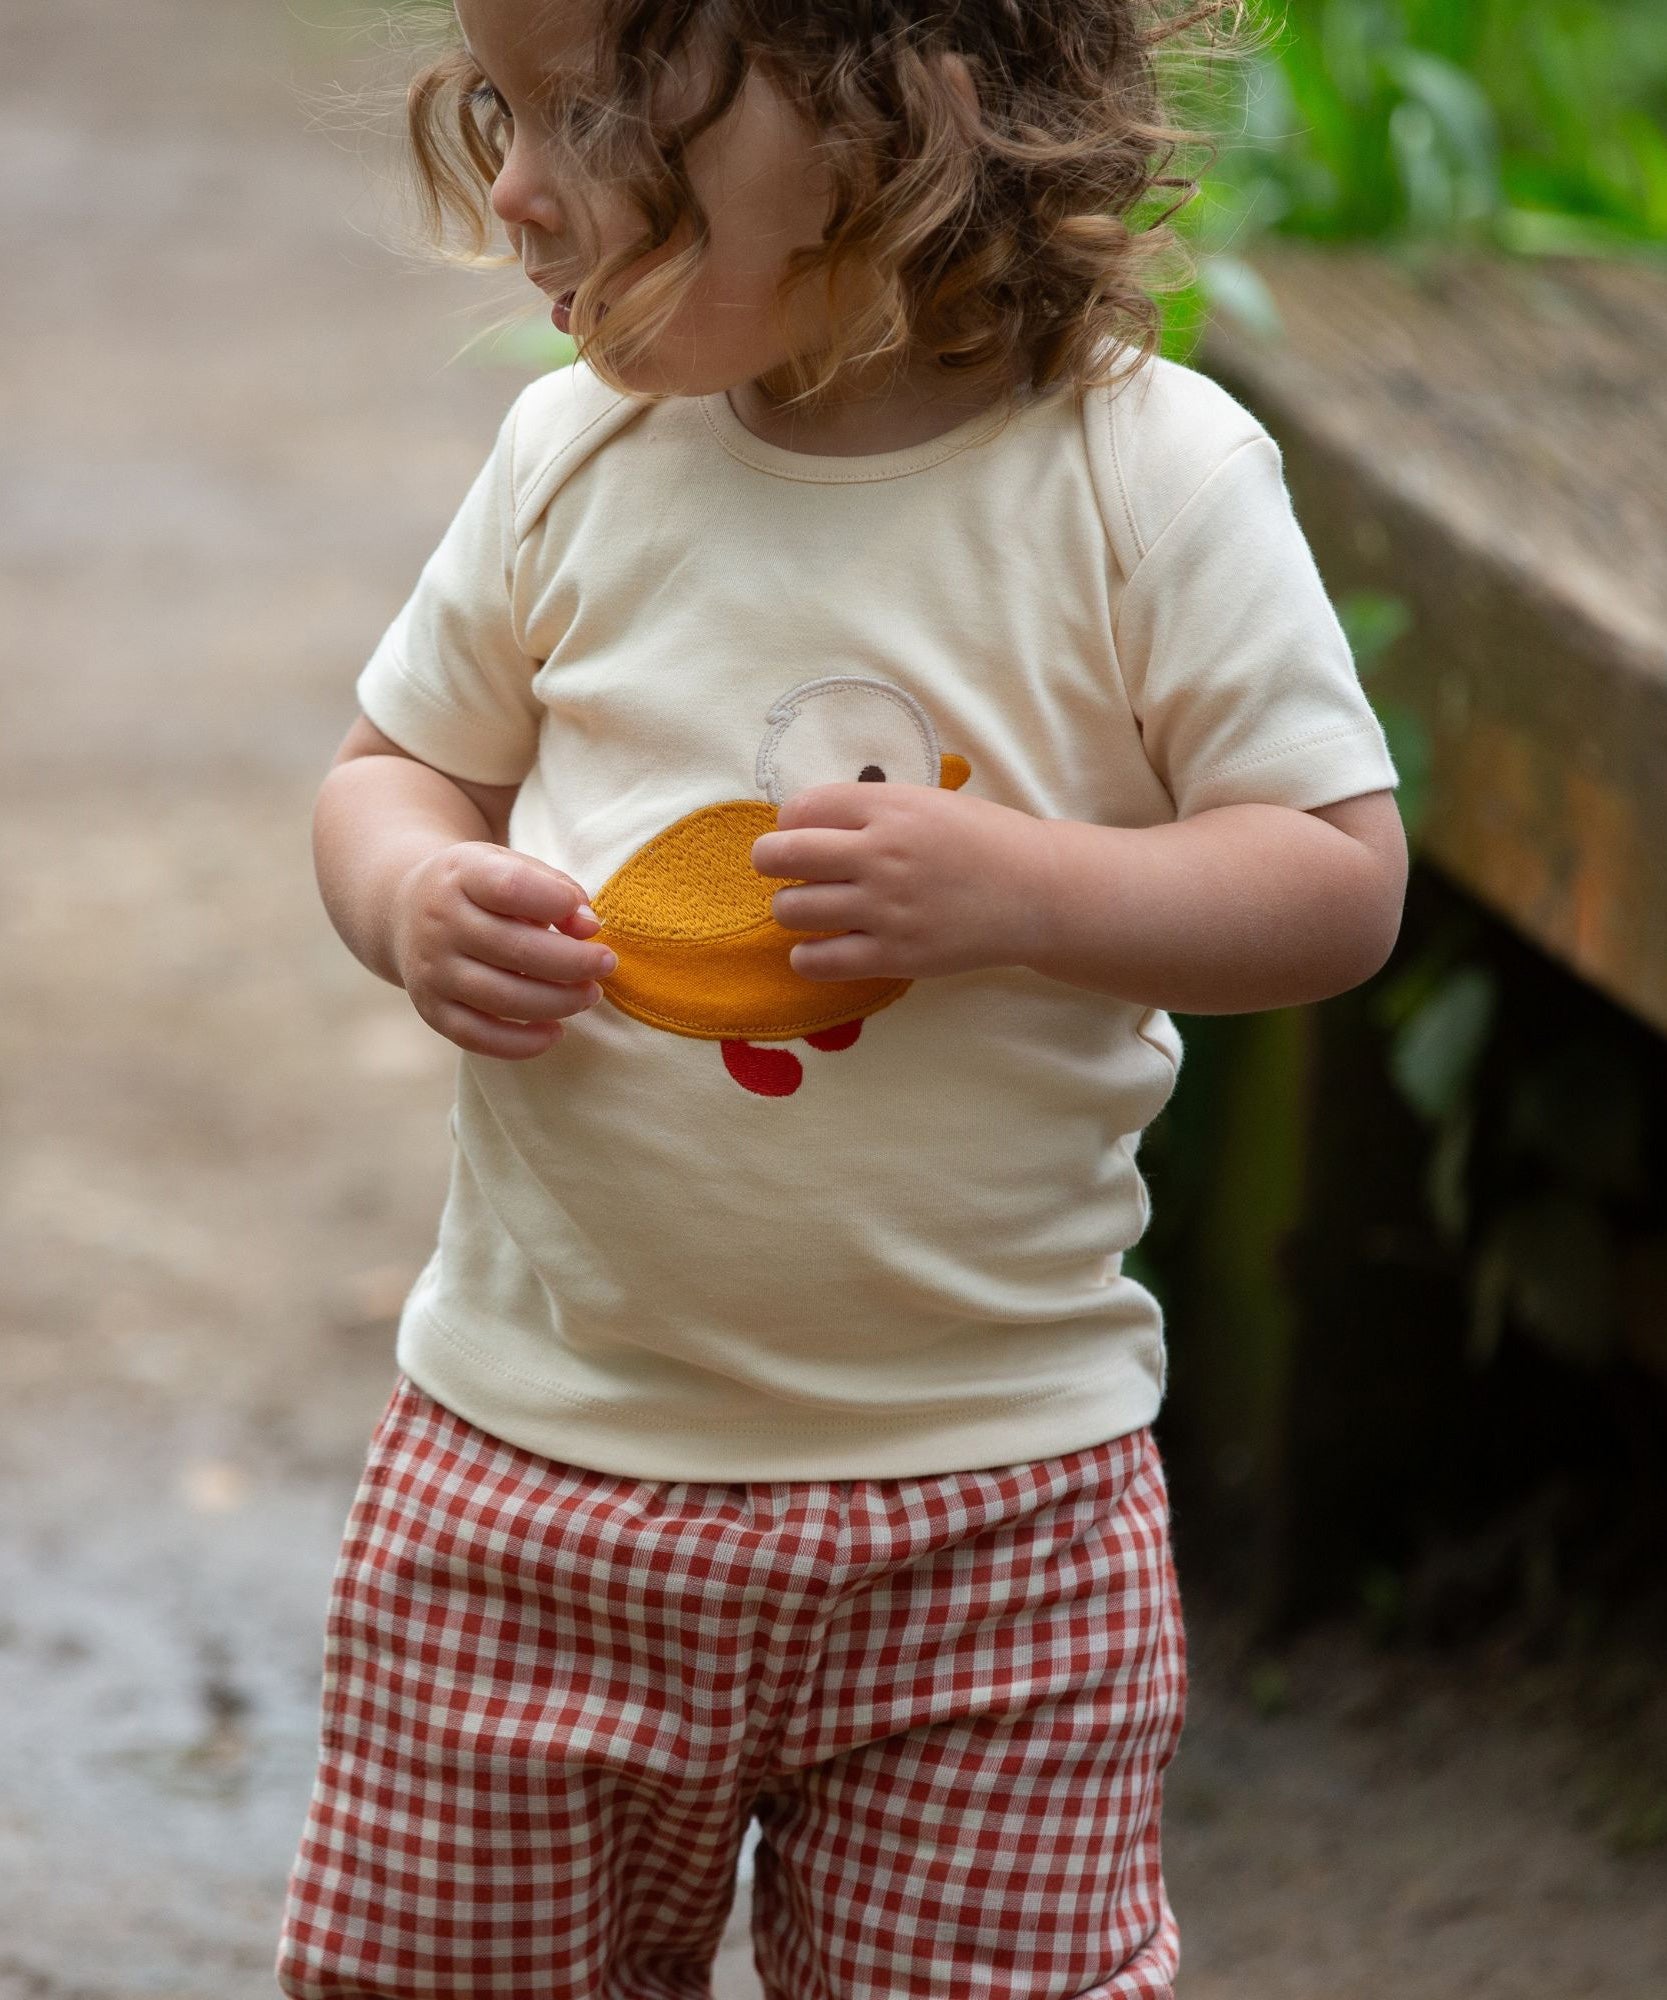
840 1036
771 1072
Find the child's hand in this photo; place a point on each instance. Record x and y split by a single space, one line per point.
921 879
474 950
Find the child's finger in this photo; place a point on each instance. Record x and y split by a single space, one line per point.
852 955
809 854
488 1035
517 885
511 997
529 948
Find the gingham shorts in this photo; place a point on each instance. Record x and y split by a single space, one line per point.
554 1698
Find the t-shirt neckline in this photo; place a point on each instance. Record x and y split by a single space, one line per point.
821 468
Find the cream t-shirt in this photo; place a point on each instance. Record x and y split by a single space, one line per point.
742 1225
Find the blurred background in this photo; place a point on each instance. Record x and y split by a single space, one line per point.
1412 1242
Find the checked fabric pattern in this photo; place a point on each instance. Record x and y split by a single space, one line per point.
554 1698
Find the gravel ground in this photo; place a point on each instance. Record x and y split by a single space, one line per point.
231 427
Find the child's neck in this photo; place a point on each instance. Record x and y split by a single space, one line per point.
916 406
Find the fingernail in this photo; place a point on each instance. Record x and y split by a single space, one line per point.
585 910
608 961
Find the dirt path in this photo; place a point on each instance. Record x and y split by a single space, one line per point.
228 437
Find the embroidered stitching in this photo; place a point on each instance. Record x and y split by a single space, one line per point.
842 478
1250 758
778 1030
766 773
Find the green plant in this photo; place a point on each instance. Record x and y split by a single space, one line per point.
1553 1221
1373 621
1528 127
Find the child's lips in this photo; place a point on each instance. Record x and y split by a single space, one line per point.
561 311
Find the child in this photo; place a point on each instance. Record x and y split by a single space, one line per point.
820 749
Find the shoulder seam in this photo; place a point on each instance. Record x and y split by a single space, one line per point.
514 440
1248 444
514 481
1099 431
1113 489
1122 480
539 491
1221 465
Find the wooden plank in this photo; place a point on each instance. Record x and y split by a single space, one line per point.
1488 440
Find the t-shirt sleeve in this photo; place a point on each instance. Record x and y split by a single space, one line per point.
1236 665
449 680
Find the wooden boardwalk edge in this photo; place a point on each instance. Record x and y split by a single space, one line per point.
1527 537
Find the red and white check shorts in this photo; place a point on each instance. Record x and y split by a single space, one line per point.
554 1698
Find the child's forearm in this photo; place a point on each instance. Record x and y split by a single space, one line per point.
1231 911
375 819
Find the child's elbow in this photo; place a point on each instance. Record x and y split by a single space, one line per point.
1373 889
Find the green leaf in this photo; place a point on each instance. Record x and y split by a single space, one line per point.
1433 1054
1533 232
1426 185
1536 125
1372 620
1410 751
1457 939
1232 286
1462 123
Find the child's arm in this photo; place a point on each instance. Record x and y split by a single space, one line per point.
413 871
1233 910
1230 910
379 812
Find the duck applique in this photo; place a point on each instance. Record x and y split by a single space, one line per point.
700 951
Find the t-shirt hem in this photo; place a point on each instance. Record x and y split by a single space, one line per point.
424 723
1311 771
845 1444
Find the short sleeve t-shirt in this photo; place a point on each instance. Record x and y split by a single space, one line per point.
738 1224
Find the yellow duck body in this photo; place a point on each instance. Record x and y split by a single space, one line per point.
700 952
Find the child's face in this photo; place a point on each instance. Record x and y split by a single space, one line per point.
754 171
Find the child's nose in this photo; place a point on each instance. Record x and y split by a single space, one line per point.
519 198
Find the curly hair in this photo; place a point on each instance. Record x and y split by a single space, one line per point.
1004 243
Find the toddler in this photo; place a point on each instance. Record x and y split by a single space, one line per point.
856 699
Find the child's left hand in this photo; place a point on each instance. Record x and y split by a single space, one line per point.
918 879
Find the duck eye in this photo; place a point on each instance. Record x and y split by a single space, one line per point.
845 726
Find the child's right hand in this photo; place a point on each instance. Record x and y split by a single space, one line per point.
474 949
